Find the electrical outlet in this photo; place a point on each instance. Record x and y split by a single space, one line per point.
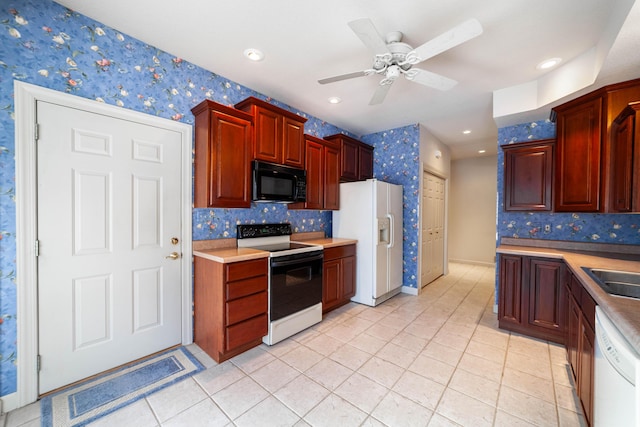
547 228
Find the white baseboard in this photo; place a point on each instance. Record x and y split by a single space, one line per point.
9 402
472 262
409 290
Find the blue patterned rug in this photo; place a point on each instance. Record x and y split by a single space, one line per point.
88 401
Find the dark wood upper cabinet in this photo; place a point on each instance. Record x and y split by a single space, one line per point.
356 158
331 177
365 162
279 134
625 161
222 160
528 176
578 157
584 167
322 164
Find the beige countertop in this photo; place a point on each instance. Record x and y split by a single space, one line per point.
624 312
225 253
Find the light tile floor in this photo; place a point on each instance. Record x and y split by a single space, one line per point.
437 359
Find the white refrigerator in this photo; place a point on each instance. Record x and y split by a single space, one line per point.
371 212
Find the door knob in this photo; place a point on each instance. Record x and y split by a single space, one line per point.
174 240
173 255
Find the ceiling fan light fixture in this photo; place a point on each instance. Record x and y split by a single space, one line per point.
334 100
254 54
548 63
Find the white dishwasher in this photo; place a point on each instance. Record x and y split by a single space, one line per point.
616 397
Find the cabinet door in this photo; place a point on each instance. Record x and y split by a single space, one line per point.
622 164
528 176
585 382
268 143
573 335
510 292
547 297
331 276
293 144
229 163
365 162
348 277
331 178
577 183
315 185
348 161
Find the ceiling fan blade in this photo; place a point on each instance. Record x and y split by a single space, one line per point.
380 94
430 79
367 32
342 77
445 41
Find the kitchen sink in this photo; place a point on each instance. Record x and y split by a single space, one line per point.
618 283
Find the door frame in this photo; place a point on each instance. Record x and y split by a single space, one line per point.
26 96
430 171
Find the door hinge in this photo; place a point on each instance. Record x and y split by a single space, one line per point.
37 131
38 363
36 248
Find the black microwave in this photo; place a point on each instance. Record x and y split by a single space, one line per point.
278 183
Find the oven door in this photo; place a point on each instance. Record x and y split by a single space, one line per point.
295 283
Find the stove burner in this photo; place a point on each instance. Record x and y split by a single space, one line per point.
273 238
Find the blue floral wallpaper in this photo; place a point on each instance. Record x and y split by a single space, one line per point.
584 227
48 45
396 159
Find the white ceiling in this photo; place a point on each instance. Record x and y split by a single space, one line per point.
305 41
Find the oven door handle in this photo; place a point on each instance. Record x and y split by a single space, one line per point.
296 261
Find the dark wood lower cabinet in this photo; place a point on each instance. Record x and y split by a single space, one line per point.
547 298
510 307
338 276
580 341
230 306
532 297
541 298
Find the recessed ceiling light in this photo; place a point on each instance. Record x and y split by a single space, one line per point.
466 132
335 100
548 63
254 54
482 151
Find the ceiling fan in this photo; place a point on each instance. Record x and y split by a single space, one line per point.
394 58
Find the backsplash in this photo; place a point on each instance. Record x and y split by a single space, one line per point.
221 223
579 227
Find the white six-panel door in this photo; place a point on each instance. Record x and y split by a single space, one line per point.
109 220
433 208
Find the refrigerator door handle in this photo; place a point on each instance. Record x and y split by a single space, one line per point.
392 235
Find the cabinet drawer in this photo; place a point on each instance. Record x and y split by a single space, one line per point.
244 308
244 269
339 252
246 287
245 332
576 288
